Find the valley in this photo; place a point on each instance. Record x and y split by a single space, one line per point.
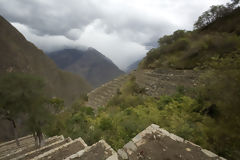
181 101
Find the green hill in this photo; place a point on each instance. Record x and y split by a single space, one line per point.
229 23
196 49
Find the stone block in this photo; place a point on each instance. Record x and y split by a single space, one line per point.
122 154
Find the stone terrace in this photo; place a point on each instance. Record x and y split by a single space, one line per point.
161 82
155 82
101 95
153 143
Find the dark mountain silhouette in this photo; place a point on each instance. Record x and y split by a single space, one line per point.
90 64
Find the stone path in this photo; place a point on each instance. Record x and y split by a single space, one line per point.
153 143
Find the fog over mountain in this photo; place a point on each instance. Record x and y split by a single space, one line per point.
89 64
121 29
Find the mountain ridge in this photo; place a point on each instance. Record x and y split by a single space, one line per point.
19 55
90 64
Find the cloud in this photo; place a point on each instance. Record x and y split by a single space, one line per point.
48 43
120 51
120 29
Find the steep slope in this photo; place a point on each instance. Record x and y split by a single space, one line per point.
100 96
17 54
90 64
196 49
231 23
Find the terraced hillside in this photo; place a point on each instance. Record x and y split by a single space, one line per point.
159 82
153 143
101 95
156 82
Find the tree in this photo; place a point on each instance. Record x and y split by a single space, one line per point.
16 92
55 105
214 13
211 15
23 94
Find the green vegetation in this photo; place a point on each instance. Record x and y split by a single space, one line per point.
208 115
203 119
22 96
191 50
217 35
215 13
19 55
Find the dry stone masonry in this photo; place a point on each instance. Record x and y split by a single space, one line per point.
161 82
101 95
155 82
153 143
158 144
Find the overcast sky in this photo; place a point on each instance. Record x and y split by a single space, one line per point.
120 29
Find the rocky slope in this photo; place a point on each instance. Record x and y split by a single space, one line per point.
90 64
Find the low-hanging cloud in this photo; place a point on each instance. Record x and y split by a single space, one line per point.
120 29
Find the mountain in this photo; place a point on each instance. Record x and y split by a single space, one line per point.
133 66
19 55
90 64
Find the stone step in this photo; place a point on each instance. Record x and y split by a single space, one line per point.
100 96
24 150
106 93
98 151
13 141
157 143
103 97
44 149
63 151
10 147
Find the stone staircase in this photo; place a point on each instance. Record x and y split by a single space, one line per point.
100 150
153 143
156 82
10 147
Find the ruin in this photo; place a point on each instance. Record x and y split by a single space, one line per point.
152 143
